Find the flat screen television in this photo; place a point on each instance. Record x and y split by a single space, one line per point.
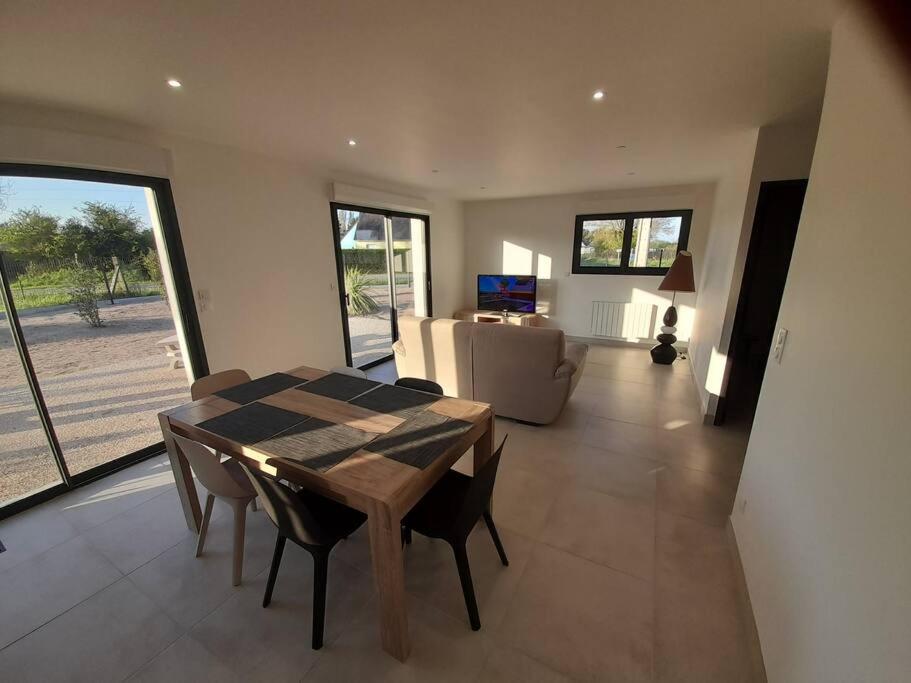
510 293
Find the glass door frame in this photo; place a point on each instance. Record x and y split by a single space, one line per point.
189 320
388 214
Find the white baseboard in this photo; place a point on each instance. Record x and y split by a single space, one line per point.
610 341
754 647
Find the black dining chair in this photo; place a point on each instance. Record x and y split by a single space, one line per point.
313 522
450 510
420 385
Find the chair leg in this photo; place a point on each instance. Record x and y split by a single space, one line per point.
406 536
253 505
240 522
204 526
320 581
461 557
488 520
273 570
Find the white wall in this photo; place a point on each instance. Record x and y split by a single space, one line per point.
535 234
256 232
824 536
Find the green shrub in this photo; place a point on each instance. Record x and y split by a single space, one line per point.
356 284
82 290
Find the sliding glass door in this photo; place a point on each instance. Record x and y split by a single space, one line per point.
100 331
383 260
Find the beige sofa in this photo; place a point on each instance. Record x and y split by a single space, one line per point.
526 373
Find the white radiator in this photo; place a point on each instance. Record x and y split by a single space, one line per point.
622 320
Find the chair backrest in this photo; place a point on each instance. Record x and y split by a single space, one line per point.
351 372
420 385
479 492
287 510
211 473
208 385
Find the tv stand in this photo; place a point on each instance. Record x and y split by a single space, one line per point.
523 319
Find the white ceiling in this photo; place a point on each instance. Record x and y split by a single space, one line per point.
494 94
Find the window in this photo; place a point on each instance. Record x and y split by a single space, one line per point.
640 243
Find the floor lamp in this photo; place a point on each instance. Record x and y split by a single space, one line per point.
679 278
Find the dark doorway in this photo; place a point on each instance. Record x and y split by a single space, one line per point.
765 273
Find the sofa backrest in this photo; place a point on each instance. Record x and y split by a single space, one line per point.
511 364
437 349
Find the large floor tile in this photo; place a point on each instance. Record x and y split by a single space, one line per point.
611 531
522 500
273 643
570 425
626 476
141 533
699 635
45 586
443 650
507 665
187 587
185 661
699 495
581 618
32 532
102 500
431 573
104 638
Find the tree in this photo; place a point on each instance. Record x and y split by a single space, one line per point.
106 230
29 234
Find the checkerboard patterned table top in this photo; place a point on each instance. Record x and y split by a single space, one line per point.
360 438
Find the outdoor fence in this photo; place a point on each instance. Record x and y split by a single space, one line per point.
39 284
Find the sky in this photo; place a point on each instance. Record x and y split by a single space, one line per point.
64 197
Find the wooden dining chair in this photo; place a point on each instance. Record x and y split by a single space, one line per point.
420 385
208 385
450 510
313 522
225 481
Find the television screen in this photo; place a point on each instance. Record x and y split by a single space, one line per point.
513 293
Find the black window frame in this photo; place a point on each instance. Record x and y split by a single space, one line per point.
686 218
189 318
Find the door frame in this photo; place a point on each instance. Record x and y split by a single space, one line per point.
189 320
740 314
389 214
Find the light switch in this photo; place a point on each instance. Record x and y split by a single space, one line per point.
780 340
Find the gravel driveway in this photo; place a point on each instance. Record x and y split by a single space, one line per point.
103 388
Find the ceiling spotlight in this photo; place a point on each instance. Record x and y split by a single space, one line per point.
174 83
436 170
598 95
483 187
352 142
621 146
631 173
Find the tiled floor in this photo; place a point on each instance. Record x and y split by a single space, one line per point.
612 518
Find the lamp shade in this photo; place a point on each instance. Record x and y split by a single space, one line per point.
679 277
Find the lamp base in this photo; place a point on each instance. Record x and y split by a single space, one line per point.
664 353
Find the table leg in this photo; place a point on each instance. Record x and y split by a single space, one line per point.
389 573
483 447
183 478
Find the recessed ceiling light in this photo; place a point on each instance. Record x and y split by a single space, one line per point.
621 146
174 83
598 95
483 187
631 173
352 142
436 170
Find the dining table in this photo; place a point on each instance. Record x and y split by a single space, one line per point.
375 447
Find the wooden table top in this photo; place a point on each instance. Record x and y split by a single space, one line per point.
362 462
